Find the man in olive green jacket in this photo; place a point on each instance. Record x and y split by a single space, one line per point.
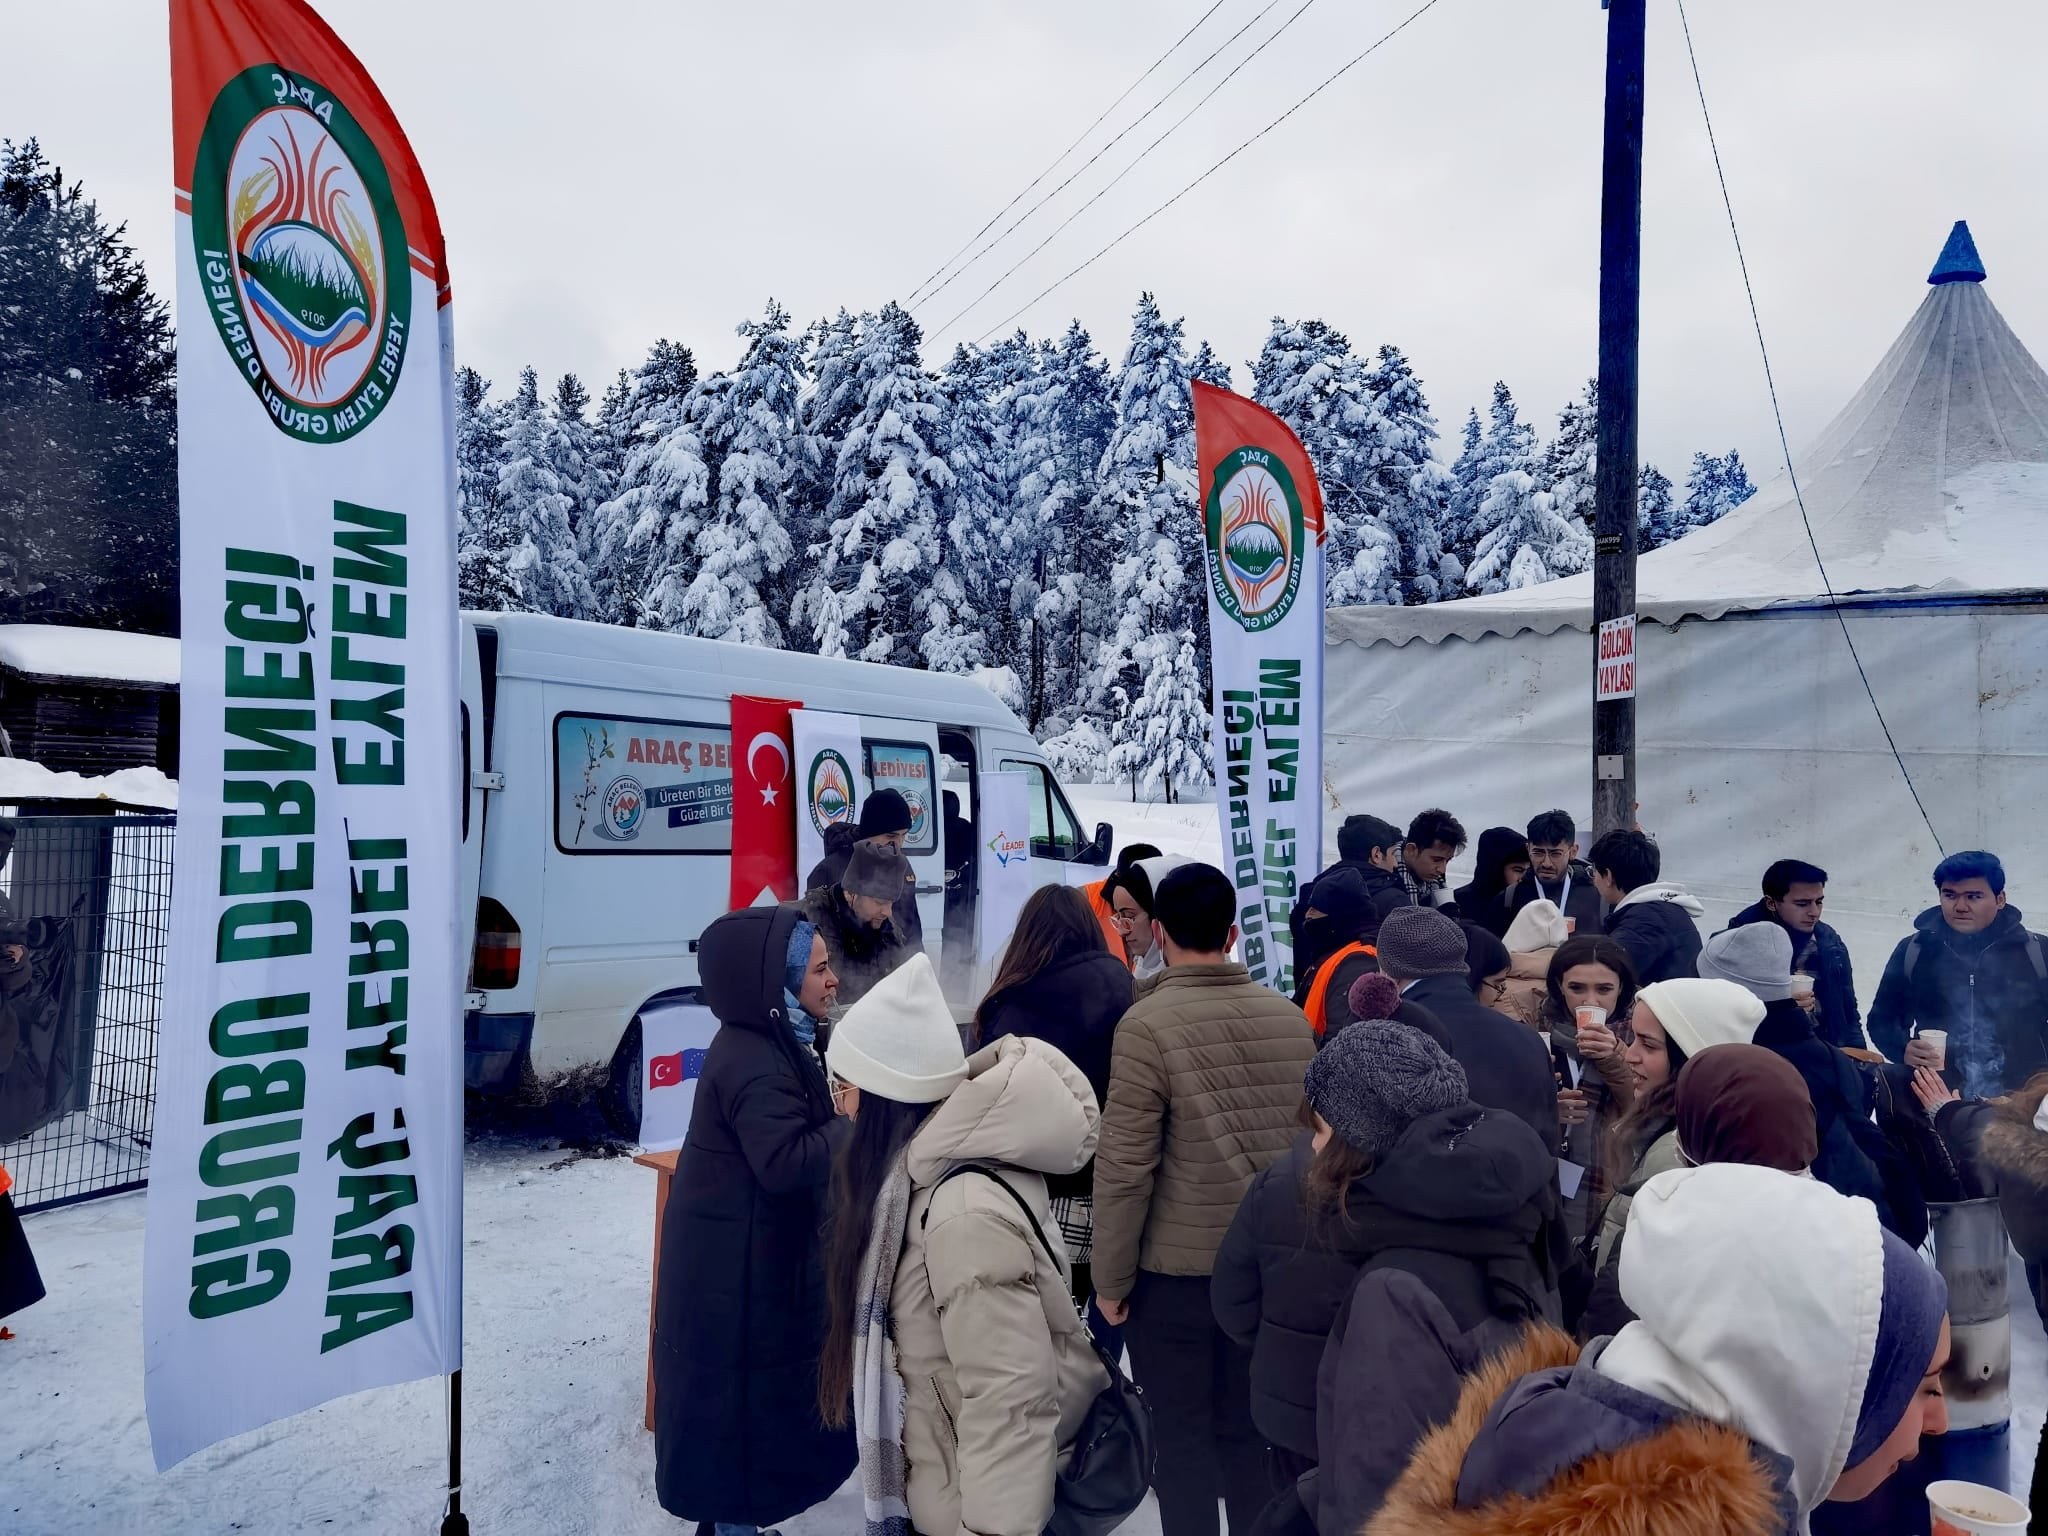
1204 1086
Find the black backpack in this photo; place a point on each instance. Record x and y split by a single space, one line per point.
1105 1479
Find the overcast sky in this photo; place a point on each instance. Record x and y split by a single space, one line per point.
614 170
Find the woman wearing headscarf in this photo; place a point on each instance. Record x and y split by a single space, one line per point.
1671 1022
740 1306
1744 1396
1855 1156
1396 1167
1735 1104
1497 868
953 1340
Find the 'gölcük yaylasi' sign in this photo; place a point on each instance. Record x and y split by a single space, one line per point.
305 1197
1262 522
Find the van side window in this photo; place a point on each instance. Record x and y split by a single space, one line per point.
1054 832
906 767
632 785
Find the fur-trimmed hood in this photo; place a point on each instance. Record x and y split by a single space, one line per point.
2015 1142
1654 1472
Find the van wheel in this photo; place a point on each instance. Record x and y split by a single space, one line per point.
621 1097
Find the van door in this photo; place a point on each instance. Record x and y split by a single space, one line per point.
1057 843
903 755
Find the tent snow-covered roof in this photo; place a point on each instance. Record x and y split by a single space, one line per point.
1934 478
64 651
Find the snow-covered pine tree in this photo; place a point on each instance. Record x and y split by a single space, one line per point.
1307 375
575 454
970 624
1060 414
1568 461
1715 487
744 551
535 500
1467 490
1404 484
1527 540
824 413
88 413
1509 447
1655 508
873 593
484 537
1152 661
647 525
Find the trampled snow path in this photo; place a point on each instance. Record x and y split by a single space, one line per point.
553 1388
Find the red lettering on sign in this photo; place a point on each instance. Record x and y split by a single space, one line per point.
633 749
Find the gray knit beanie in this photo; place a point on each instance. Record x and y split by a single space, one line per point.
1415 942
1756 956
1374 1080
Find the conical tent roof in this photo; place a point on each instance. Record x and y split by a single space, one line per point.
1933 478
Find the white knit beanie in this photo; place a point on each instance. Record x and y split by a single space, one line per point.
1539 925
1698 1013
899 1040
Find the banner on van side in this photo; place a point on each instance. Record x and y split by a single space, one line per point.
305 1193
1005 855
831 780
1262 521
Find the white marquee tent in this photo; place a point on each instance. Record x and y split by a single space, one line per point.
1928 498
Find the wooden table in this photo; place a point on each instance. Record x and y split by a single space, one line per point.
664 1166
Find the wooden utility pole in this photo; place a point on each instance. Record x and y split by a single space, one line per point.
1614 518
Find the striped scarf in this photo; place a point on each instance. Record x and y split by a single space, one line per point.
877 1385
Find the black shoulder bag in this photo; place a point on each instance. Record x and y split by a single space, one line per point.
1106 1477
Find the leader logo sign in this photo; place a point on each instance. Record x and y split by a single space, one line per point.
302 253
1256 538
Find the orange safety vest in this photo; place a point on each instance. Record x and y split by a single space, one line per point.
1318 1005
1105 915
6 1179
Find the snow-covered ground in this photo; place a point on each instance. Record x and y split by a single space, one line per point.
1187 828
558 1250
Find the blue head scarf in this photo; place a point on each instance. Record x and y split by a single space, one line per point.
796 959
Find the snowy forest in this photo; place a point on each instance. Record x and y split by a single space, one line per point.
1023 514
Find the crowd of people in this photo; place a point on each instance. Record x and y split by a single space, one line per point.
1534 1204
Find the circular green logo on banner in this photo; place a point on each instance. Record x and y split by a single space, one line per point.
302 253
830 790
1256 538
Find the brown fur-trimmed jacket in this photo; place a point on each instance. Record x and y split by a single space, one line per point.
2001 1153
1684 1477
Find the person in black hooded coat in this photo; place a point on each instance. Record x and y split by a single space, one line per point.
1410 1175
739 1314
1502 861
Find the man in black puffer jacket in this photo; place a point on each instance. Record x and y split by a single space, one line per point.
739 1315
1794 894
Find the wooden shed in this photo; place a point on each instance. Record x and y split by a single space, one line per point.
89 701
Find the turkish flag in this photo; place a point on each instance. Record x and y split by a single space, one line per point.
764 795
665 1071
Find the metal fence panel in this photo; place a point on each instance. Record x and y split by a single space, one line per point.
89 898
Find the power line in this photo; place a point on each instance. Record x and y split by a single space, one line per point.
1409 20
1079 138
1112 144
1120 175
1784 444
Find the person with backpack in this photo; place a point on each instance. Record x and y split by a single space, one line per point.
1335 949
952 1342
1396 1167
1972 972
1794 895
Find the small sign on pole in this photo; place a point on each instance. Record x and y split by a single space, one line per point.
1616 678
